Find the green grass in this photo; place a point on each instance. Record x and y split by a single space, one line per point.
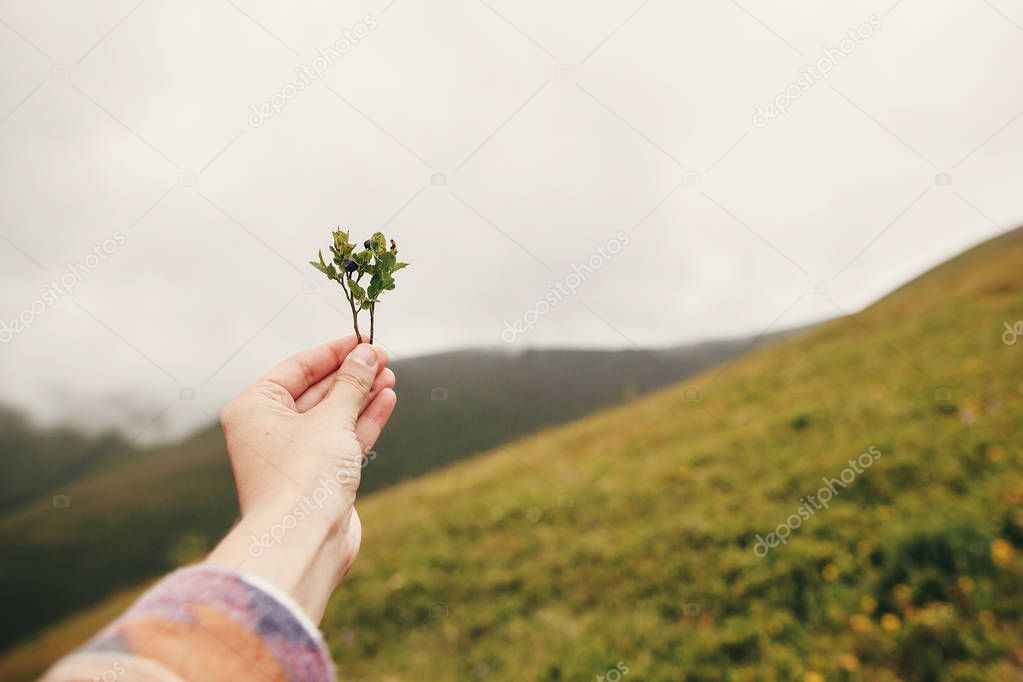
137 513
669 493
477 572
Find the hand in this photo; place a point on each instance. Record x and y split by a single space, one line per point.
297 440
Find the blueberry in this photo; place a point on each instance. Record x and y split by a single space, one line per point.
368 244
351 266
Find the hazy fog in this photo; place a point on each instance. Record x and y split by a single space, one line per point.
501 143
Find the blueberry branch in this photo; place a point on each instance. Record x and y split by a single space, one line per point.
350 265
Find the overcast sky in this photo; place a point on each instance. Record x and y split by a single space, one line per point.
501 143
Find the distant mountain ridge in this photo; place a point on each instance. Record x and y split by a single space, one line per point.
452 405
149 509
34 460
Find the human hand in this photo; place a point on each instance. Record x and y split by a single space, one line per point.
296 440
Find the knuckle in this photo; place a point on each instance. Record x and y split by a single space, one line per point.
271 390
309 374
358 381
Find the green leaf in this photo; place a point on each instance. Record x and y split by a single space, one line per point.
363 258
375 287
342 248
328 270
399 266
386 262
379 243
357 291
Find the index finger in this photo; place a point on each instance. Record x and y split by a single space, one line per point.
305 369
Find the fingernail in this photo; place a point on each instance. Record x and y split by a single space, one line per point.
364 355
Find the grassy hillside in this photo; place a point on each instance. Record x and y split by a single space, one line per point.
36 460
134 514
139 516
914 572
489 398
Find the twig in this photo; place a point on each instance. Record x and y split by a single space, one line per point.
351 303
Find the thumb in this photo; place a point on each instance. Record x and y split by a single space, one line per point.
353 383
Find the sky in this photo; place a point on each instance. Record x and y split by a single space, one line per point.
576 174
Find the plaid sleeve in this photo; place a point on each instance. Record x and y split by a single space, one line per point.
204 623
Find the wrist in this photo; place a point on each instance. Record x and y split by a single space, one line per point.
303 554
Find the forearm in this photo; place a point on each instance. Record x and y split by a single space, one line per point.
303 555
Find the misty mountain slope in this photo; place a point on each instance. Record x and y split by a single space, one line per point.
630 537
456 404
35 460
133 514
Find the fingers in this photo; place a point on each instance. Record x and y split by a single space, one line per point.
312 397
299 372
375 418
385 379
352 384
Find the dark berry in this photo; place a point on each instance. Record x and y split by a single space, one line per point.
368 244
351 266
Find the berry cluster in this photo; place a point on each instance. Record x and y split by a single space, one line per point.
349 266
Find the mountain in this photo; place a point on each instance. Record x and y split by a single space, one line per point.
688 534
630 538
34 460
453 405
132 514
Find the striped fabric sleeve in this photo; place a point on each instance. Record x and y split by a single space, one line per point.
204 623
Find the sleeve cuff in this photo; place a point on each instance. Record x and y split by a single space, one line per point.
210 623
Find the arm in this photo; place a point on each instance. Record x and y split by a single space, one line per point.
296 441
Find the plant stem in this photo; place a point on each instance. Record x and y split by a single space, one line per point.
372 321
355 313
